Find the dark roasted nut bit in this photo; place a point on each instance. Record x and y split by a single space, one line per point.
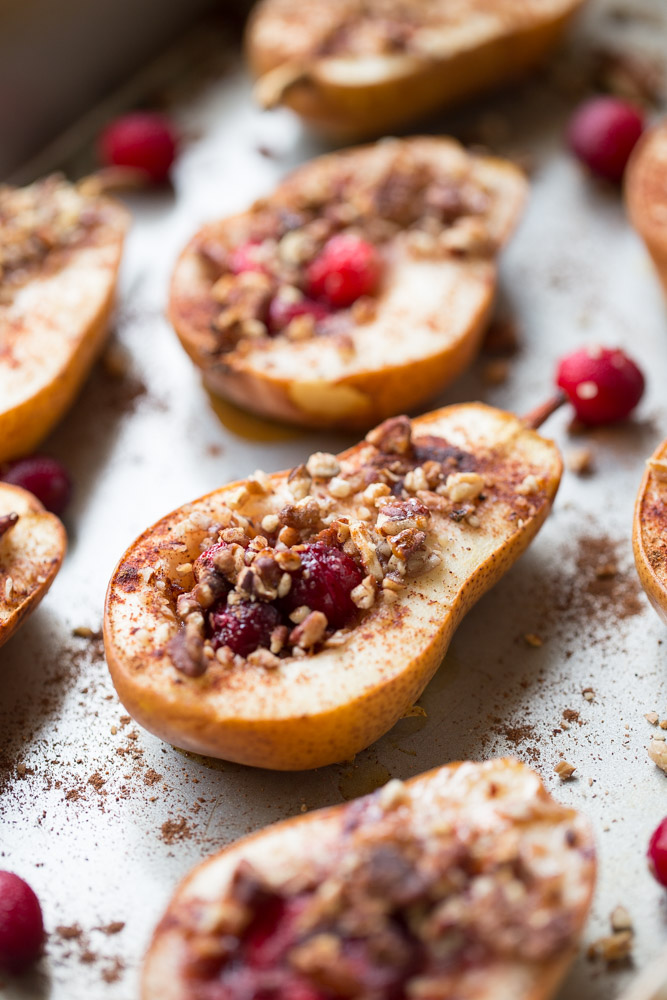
393 437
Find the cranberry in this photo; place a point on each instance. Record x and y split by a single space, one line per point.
346 268
144 140
657 853
243 627
602 133
246 257
324 583
42 476
602 384
21 924
282 312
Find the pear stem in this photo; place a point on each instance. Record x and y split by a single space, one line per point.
536 417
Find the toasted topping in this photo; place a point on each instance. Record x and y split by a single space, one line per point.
414 892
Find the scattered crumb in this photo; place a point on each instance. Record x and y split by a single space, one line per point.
605 571
533 640
495 372
657 751
69 933
114 971
502 339
115 927
579 461
652 717
588 693
620 919
614 948
564 770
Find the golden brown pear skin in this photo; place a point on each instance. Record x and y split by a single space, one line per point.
649 534
646 194
31 553
503 797
429 316
328 706
53 327
367 94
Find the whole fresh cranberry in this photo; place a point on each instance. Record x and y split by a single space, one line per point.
346 268
42 476
324 583
603 384
657 853
144 140
282 312
247 257
603 132
243 627
21 924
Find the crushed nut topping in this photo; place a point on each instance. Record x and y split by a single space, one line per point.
402 194
411 888
35 221
333 540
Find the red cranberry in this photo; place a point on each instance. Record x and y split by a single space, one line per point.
42 476
657 853
602 133
247 257
21 924
324 583
282 312
346 268
243 627
602 384
144 140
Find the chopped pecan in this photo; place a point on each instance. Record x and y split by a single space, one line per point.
302 516
186 649
406 543
403 515
393 436
310 631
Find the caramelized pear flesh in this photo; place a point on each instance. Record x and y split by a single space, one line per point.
60 250
649 536
646 194
32 547
436 217
469 881
477 488
360 69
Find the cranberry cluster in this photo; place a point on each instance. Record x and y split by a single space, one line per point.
324 582
346 269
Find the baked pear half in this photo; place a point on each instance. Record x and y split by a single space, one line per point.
468 881
59 255
288 621
646 194
357 290
32 547
649 535
364 67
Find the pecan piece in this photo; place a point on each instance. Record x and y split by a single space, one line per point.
7 521
393 436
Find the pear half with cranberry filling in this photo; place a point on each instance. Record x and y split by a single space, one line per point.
649 535
288 621
60 249
32 547
646 194
468 881
357 290
354 67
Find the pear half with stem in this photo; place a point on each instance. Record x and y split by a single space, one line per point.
359 69
646 194
649 535
469 881
32 547
424 517
60 250
432 219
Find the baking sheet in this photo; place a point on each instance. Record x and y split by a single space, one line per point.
103 819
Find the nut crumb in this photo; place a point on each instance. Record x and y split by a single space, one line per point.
657 751
533 640
579 461
588 693
564 770
652 717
